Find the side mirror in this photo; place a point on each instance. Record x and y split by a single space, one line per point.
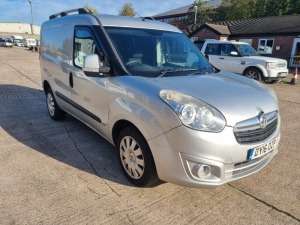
233 53
93 67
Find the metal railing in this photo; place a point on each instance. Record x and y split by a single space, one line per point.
294 62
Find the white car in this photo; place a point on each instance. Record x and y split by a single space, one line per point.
241 58
18 42
6 43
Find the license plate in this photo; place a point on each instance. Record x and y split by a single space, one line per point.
283 74
261 150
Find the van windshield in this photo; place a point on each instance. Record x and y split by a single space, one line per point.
153 53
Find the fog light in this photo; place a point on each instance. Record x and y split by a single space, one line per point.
200 170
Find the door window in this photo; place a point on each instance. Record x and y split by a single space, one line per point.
84 45
226 49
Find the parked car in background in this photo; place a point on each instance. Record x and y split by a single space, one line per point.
147 89
29 42
241 58
6 43
18 42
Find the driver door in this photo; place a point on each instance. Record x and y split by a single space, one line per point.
89 94
228 62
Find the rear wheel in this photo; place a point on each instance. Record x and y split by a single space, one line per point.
54 111
253 73
136 159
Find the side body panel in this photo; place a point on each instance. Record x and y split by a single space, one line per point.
56 47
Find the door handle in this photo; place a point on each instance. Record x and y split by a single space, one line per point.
221 58
71 79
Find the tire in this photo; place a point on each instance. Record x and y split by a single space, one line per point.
253 73
136 159
54 111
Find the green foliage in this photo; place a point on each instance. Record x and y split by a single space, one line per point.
93 10
204 13
127 10
244 9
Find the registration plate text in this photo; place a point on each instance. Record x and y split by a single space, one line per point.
261 150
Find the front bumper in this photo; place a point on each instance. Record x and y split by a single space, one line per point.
276 73
178 151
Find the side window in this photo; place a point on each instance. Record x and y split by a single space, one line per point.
226 49
212 49
84 45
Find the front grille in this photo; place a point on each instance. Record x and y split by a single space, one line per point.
281 65
249 131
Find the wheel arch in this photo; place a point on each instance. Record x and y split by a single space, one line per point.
258 67
119 126
46 85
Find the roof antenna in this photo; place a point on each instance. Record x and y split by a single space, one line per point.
143 18
137 14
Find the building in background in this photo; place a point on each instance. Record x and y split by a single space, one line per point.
276 36
22 29
179 16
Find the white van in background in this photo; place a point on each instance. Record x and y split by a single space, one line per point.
29 42
18 41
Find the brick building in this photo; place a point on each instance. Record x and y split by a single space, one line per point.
277 36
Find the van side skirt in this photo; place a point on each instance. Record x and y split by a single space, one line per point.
75 105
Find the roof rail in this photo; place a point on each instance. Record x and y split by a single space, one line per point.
65 13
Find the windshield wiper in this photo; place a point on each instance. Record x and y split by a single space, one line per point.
202 71
164 72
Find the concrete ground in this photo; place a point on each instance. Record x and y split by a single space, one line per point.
64 173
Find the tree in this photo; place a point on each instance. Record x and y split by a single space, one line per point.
204 13
93 10
245 9
127 10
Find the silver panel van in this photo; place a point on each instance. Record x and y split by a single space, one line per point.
147 89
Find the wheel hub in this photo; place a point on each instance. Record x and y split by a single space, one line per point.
132 157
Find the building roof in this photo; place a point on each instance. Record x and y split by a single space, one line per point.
186 9
217 28
264 25
288 24
174 12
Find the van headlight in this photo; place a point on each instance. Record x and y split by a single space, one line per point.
194 113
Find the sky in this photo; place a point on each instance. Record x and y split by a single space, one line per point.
19 10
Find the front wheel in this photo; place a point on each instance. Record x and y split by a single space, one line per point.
253 73
136 159
54 111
